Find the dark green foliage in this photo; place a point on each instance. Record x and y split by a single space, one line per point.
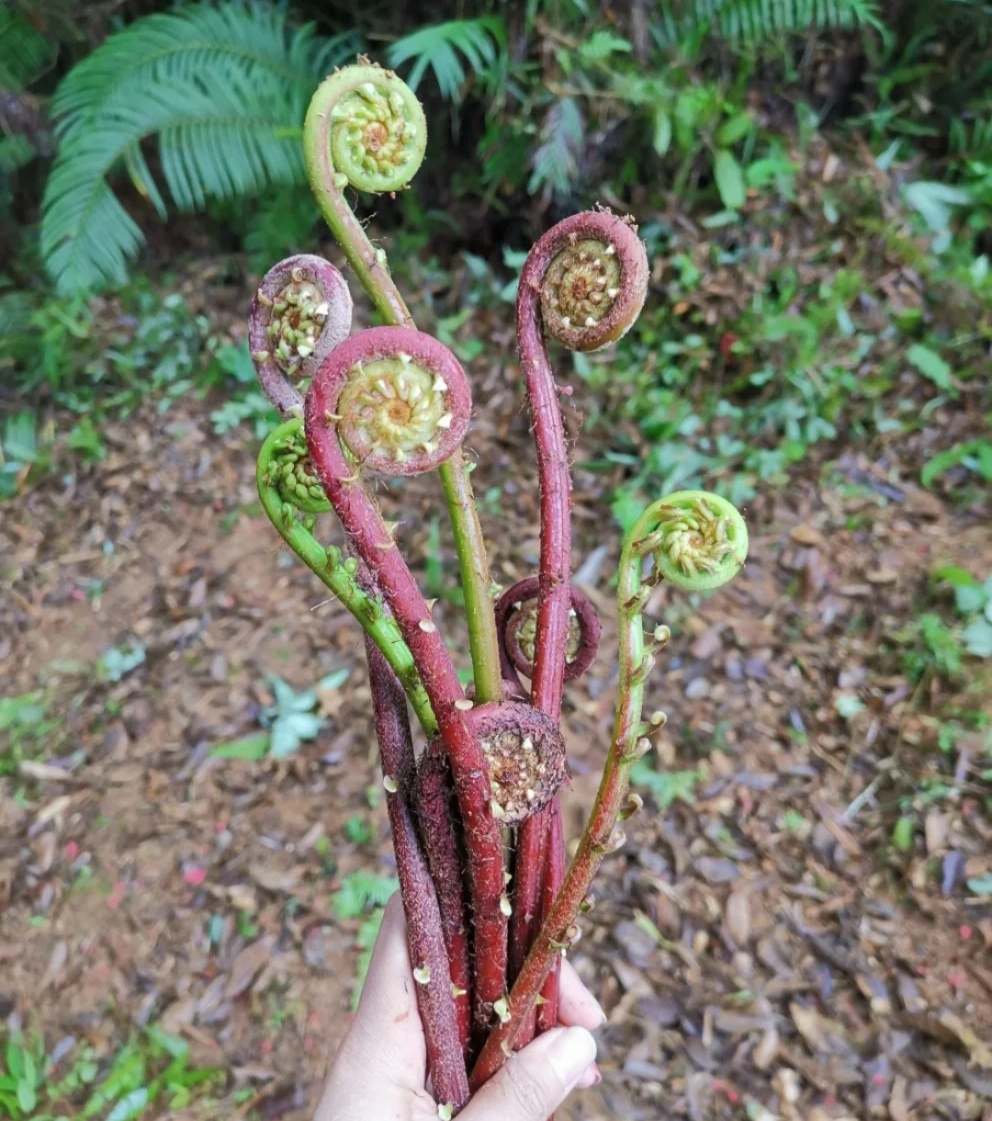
24 51
757 23
222 90
446 49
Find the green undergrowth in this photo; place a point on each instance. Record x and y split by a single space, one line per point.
88 361
152 1074
755 355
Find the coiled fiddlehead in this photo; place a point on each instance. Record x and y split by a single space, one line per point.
399 399
591 272
656 529
326 429
516 621
583 283
364 129
699 542
288 488
300 313
525 757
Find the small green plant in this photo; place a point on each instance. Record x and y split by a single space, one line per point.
26 727
289 721
23 450
117 662
667 787
150 1072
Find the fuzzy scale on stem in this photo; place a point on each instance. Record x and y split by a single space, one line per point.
444 855
428 952
646 539
375 546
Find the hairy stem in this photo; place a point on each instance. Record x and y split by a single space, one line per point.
376 547
433 801
476 581
598 838
533 840
697 541
428 952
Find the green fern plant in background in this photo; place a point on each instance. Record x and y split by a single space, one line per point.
757 24
446 49
222 89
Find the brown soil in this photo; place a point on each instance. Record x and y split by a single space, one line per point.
803 963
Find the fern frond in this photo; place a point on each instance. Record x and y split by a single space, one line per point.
759 23
556 159
223 89
442 48
24 51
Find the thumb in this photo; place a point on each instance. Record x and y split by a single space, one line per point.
536 1080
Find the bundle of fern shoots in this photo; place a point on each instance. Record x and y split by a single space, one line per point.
477 829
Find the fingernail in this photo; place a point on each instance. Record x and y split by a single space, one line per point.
591 1076
570 1052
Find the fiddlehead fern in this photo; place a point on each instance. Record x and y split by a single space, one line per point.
656 529
583 283
287 488
364 129
403 402
516 621
300 313
326 430
591 272
699 541
525 757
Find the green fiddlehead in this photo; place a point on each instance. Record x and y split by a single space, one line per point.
288 489
365 129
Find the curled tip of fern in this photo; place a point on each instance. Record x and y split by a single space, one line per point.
300 313
525 757
591 274
398 400
284 464
516 620
372 126
698 540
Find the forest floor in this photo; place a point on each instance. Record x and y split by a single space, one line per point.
801 921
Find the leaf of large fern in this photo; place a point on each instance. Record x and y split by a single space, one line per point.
24 51
758 23
442 47
222 89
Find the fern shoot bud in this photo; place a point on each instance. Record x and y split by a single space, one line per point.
698 540
591 271
398 399
378 132
290 470
300 313
525 756
516 621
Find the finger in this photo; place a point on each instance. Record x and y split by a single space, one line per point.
577 1007
536 1080
386 1030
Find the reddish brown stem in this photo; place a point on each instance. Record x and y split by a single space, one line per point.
375 546
554 875
428 953
555 584
433 801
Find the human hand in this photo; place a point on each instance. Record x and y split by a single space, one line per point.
378 1073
